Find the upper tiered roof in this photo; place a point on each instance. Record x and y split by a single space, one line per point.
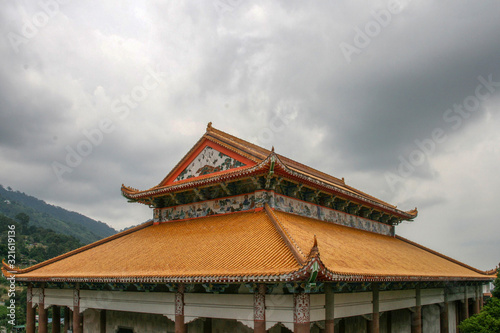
250 160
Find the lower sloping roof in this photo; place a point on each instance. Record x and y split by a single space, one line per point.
251 246
243 244
353 252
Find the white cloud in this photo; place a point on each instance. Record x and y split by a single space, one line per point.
238 66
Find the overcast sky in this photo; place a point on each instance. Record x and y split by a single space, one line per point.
401 98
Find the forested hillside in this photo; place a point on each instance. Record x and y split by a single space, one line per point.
52 217
32 244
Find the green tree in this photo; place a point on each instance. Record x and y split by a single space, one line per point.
488 320
24 220
496 292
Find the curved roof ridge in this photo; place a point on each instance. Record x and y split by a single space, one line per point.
347 189
290 242
247 144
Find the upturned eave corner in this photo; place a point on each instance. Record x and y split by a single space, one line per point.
413 213
127 191
494 271
9 271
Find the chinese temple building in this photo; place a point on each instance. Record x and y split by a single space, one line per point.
243 239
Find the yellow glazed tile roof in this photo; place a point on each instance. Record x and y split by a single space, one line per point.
242 244
349 251
249 245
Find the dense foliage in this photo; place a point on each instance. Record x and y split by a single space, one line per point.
33 244
20 306
496 292
488 320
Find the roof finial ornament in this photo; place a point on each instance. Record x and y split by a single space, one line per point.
272 149
209 126
314 249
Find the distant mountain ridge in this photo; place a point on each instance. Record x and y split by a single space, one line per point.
52 217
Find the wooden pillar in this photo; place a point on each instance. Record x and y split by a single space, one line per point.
329 309
259 309
342 325
56 319
301 313
375 323
444 319
389 322
42 313
30 311
465 306
207 325
476 301
77 318
481 299
102 321
180 326
66 319
416 316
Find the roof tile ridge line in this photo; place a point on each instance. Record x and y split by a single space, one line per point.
233 148
216 131
241 141
237 143
343 186
85 248
441 255
355 195
298 164
369 195
291 244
